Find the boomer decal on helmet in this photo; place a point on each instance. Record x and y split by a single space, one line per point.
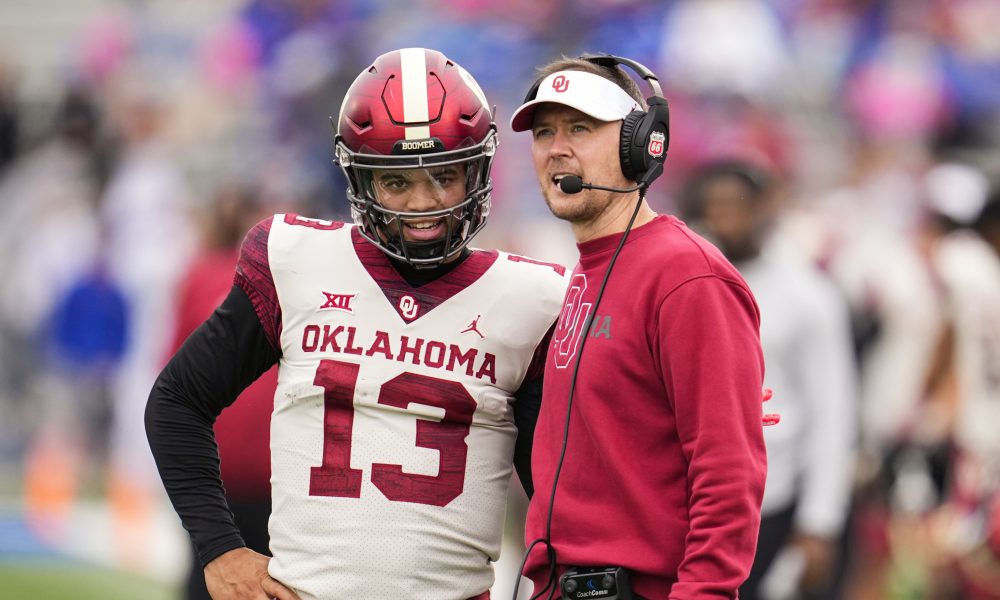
417 113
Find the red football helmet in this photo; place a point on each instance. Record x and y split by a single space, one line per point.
416 109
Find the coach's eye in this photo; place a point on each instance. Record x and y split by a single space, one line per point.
541 132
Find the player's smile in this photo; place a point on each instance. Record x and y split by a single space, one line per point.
424 230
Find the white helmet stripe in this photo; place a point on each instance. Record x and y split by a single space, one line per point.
414 66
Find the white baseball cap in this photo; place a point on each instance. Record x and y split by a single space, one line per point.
956 191
588 93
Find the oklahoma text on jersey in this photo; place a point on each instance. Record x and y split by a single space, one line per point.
417 351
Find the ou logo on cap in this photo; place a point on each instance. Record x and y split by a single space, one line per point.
560 84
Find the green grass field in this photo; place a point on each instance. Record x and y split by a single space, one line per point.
32 581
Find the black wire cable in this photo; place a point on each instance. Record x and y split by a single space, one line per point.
551 551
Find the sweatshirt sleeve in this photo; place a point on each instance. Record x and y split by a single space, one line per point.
713 365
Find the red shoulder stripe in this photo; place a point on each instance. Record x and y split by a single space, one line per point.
253 276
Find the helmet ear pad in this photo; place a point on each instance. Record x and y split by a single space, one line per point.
631 156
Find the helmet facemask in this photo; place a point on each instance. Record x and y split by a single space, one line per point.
373 177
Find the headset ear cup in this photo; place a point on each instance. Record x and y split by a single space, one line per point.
631 166
649 138
660 120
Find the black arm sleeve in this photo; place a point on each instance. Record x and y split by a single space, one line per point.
221 358
528 401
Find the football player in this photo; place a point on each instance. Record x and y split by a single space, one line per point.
409 363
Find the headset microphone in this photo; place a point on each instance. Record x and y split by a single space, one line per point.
571 184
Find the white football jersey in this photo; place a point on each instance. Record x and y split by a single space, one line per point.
392 433
971 275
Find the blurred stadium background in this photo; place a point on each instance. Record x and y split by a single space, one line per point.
125 125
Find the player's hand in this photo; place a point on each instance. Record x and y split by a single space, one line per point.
241 574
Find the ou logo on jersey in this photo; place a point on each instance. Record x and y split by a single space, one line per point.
408 307
574 314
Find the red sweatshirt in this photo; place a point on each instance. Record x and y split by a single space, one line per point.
665 465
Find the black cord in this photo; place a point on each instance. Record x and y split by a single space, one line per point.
551 551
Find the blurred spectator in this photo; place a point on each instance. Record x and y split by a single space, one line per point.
242 431
965 271
84 341
913 471
146 211
967 259
978 480
87 339
49 240
805 336
867 234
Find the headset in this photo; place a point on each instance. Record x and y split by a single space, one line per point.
642 150
645 134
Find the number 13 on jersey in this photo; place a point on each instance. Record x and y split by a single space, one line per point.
335 477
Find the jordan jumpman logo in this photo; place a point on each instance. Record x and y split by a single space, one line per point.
474 326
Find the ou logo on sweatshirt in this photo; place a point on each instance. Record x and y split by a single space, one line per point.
574 314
